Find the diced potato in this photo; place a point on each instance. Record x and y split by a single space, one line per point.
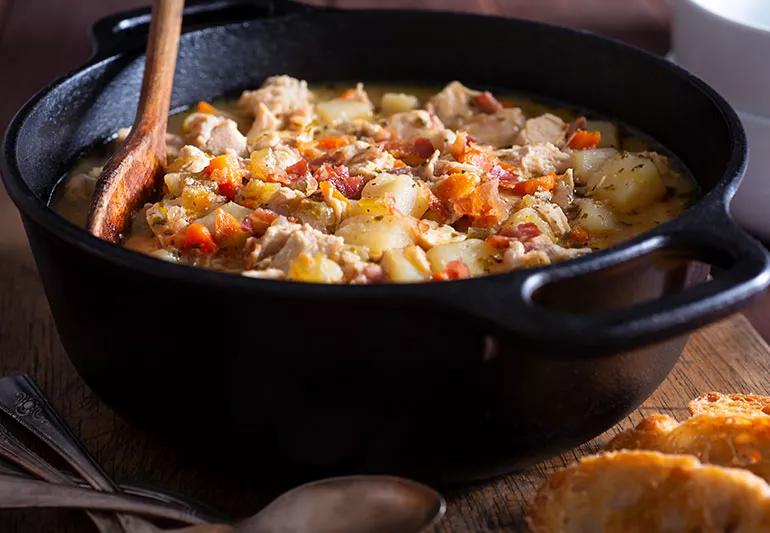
398 103
259 192
318 268
585 162
475 253
262 163
238 211
341 110
379 233
528 215
432 234
406 265
408 197
608 130
596 217
317 214
369 206
174 183
199 199
627 182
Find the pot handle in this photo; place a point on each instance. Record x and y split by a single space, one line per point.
740 268
128 30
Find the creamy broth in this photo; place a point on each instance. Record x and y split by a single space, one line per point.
333 183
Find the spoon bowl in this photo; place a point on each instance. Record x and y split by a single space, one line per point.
351 504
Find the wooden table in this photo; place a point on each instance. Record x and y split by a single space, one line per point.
42 39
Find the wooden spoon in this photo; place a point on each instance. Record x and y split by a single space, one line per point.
130 177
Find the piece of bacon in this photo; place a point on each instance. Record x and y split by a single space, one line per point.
503 175
522 232
454 270
487 102
258 221
339 176
423 147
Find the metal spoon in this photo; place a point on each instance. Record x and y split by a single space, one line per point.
370 504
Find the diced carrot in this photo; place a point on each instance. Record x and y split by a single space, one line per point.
223 168
398 164
498 242
459 146
228 232
205 107
198 240
225 171
583 139
531 186
349 94
455 186
308 150
578 236
330 192
331 142
454 270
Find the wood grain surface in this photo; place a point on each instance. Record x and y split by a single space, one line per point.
42 39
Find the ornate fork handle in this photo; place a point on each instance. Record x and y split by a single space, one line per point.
15 451
22 400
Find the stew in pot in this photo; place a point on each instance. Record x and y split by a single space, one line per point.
354 184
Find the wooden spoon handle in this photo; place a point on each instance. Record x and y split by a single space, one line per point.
162 45
130 177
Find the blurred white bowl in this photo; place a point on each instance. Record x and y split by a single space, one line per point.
751 205
727 43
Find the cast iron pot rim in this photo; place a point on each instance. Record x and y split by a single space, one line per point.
38 210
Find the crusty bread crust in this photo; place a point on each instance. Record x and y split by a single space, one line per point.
730 404
646 491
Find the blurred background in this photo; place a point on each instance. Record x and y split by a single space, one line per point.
43 39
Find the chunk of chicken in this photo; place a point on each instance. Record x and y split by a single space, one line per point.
364 159
549 212
453 104
546 128
420 123
214 134
189 159
498 129
535 159
281 95
284 242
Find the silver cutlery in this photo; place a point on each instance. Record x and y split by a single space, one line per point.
22 400
371 504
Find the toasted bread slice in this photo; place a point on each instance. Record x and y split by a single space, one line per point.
734 441
643 491
730 404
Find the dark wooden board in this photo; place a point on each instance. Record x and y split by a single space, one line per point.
42 39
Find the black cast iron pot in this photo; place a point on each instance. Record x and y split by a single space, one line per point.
452 380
